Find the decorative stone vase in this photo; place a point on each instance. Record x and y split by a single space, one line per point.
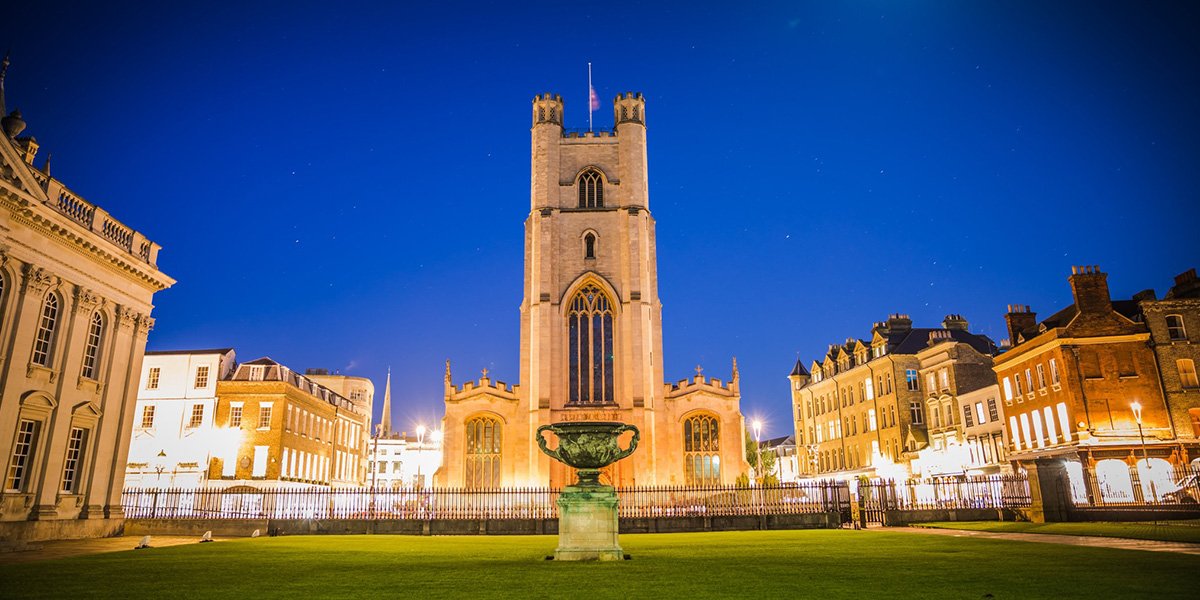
587 511
588 446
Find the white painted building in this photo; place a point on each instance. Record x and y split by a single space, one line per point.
404 461
174 436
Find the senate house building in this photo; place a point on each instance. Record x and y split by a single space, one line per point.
591 330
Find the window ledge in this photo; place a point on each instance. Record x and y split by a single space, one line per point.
87 383
36 369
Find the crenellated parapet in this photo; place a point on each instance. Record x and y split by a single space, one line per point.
484 386
700 383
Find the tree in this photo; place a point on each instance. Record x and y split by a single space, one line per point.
754 454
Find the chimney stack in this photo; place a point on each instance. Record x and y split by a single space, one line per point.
1019 319
955 322
1089 285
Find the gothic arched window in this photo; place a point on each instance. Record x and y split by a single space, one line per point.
43 345
701 450
91 350
591 189
483 453
590 322
589 245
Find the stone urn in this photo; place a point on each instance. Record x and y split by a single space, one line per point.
587 511
588 446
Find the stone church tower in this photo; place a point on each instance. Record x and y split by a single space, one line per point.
591 329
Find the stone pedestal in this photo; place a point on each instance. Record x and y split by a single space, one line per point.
587 524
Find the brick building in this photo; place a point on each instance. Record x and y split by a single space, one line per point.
861 409
1075 384
286 430
966 434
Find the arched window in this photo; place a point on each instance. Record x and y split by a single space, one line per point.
483 453
591 189
91 350
589 245
3 288
701 450
590 322
43 345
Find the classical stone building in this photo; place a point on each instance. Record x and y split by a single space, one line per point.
1071 381
175 435
861 409
76 287
591 330
286 430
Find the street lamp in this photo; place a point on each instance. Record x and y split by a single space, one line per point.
757 425
374 463
1137 416
420 452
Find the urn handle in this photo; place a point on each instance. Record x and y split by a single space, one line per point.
541 440
637 436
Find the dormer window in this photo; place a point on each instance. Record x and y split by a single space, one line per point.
591 189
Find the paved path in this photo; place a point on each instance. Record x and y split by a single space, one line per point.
1070 540
35 551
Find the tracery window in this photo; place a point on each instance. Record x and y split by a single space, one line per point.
44 342
591 189
590 325
701 450
91 350
483 453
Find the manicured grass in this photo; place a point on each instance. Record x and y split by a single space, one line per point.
772 564
1166 531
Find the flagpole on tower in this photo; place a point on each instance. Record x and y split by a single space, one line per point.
590 94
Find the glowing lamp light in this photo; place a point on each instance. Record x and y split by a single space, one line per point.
1137 411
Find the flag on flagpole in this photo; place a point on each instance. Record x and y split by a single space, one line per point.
593 99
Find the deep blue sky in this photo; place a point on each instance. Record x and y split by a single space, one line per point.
344 186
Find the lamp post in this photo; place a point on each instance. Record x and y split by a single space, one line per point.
375 465
757 425
1137 416
420 452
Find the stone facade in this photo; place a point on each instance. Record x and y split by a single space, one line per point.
591 329
76 289
1176 346
1071 381
285 430
861 409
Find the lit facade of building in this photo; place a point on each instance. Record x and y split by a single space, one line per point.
174 434
286 430
1076 384
404 461
953 371
76 290
591 330
861 410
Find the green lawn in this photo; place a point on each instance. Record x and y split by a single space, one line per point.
820 564
1167 531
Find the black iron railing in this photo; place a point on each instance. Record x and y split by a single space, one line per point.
987 491
450 503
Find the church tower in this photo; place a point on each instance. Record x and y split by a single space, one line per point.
591 328
591 333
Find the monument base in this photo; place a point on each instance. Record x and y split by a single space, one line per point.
587 524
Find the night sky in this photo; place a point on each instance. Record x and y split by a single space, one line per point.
345 186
